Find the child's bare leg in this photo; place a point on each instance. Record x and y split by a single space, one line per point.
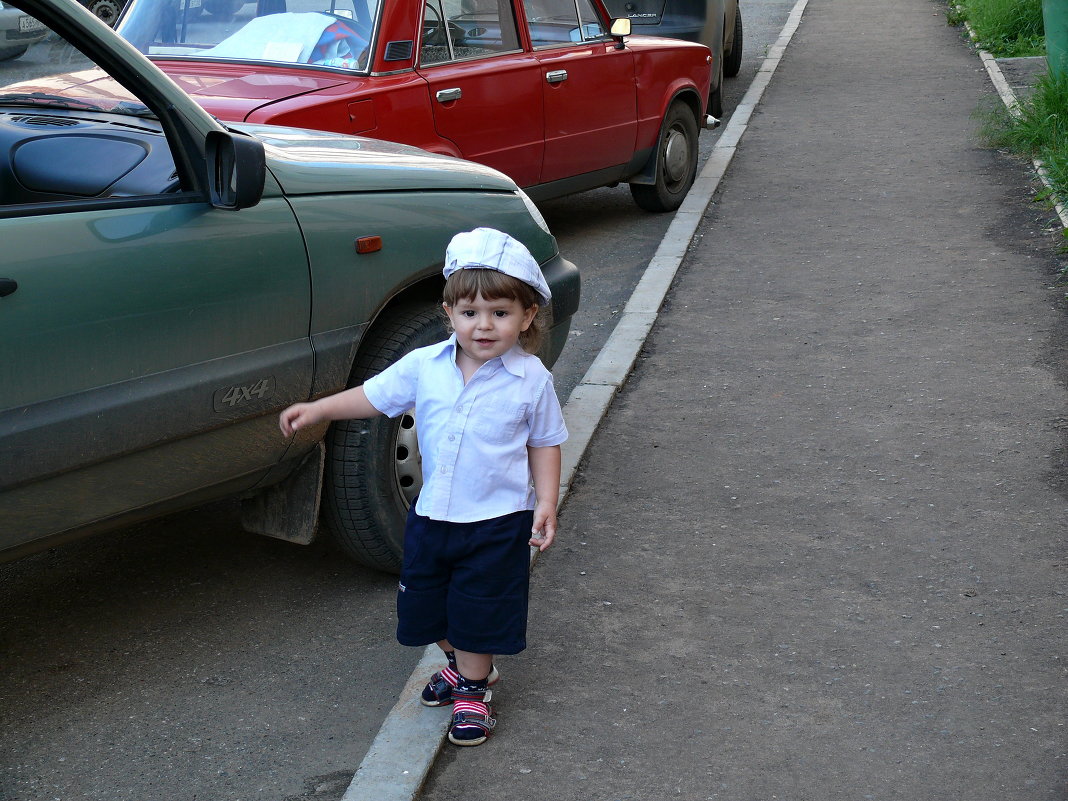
476 667
438 692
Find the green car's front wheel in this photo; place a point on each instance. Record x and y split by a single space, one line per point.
373 468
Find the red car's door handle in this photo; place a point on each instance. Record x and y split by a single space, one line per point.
556 76
448 95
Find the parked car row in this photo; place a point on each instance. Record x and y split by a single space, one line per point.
484 80
169 284
550 92
172 281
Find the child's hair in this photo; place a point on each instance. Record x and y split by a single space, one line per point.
469 283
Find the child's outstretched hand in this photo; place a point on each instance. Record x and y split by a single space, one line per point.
544 528
297 416
347 405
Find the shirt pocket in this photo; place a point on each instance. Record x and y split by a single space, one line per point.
502 423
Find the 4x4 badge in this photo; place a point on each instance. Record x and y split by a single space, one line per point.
229 397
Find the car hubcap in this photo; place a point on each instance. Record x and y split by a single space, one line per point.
106 10
407 461
676 156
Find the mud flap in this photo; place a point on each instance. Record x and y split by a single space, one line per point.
289 510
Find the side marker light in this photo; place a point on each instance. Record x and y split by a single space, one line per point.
368 244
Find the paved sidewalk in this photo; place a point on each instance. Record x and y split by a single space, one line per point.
817 550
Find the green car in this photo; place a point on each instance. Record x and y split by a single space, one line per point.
169 284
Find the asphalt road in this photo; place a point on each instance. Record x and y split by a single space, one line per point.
186 659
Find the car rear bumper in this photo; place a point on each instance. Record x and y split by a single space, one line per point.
566 287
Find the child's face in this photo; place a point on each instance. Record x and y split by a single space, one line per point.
486 329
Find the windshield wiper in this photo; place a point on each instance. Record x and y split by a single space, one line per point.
132 109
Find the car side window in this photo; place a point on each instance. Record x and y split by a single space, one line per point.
556 22
67 134
454 30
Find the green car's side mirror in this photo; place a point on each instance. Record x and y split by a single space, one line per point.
238 170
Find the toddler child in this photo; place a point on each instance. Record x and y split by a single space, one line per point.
490 428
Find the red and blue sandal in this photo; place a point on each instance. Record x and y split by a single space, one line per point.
472 719
438 691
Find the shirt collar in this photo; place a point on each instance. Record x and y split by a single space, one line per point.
514 360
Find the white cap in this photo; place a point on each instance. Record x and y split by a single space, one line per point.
489 249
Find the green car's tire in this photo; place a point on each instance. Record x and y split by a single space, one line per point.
676 155
373 467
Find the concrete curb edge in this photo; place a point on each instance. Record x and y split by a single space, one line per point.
403 751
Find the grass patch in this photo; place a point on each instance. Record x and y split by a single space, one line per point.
1006 28
1040 131
1013 28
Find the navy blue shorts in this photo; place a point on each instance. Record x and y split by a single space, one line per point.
466 583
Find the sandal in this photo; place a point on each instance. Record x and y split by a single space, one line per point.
472 719
438 691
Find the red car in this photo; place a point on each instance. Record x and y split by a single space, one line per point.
551 92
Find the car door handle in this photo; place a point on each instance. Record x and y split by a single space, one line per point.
448 95
556 76
7 286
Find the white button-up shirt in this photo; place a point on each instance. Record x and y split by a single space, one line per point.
473 438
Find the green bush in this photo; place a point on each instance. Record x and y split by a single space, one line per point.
1004 27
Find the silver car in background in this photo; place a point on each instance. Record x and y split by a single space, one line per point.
17 32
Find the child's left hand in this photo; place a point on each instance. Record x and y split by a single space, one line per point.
544 528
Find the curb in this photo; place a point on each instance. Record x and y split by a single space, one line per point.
403 751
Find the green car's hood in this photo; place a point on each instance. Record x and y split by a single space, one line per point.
314 162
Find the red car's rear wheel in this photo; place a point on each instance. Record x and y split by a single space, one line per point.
676 166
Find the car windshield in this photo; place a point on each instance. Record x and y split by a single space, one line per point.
50 73
333 34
